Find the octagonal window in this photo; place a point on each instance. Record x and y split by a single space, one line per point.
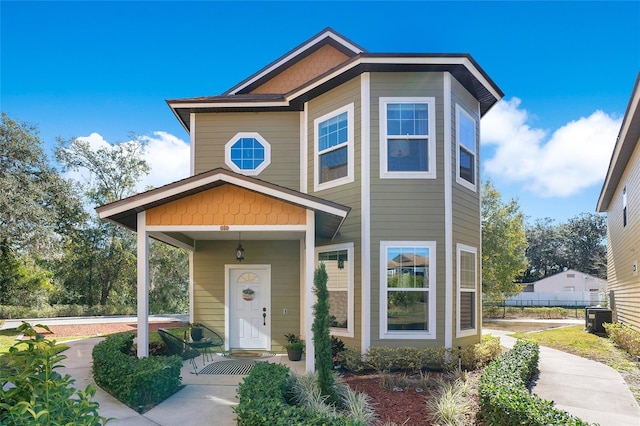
248 153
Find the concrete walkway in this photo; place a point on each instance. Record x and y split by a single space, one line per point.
206 399
586 389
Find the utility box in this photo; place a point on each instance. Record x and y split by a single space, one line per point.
594 319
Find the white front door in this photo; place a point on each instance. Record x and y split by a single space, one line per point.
249 290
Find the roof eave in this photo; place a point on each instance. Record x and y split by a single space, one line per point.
623 149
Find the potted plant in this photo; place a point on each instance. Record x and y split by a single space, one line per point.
196 331
294 346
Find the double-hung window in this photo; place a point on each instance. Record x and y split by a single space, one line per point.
407 137
334 148
467 290
338 262
407 290
466 152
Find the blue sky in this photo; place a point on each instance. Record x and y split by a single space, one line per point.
104 69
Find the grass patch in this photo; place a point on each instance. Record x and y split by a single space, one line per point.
8 339
521 327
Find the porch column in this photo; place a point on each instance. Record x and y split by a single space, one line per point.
143 286
309 298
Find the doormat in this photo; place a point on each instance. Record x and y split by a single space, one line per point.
249 355
231 367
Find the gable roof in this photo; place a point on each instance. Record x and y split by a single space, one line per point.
625 145
325 37
357 61
329 216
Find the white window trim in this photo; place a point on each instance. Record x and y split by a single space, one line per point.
431 334
259 169
471 331
317 186
350 287
431 138
459 179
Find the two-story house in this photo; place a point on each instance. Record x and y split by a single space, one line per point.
620 199
367 162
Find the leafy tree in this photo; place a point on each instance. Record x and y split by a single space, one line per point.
37 209
578 244
37 203
321 337
545 252
114 172
168 279
503 245
585 240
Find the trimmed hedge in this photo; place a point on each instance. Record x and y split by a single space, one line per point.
625 337
413 359
504 395
263 396
138 382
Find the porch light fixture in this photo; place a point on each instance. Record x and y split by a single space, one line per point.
239 250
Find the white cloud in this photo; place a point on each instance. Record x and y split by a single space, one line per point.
574 157
167 155
169 158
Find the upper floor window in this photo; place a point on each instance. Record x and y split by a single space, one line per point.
407 290
407 138
247 153
334 146
338 261
466 148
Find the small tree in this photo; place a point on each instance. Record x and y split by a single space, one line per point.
321 337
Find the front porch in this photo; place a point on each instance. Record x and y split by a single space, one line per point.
210 215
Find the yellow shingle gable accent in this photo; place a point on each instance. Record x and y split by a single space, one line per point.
226 205
301 72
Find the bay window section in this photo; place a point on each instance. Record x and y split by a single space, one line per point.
407 137
467 290
338 261
407 307
334 145
466 152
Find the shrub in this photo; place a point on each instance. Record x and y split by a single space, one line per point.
451 404
625 337
139 383
351 360
504 397
265 396
479 355
37 393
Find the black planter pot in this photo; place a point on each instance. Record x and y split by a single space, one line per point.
196 333
294 354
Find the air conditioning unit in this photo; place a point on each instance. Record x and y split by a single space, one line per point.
595 318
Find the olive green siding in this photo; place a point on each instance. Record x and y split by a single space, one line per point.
210 258
622 243
348 194
280 129
407 209
466 204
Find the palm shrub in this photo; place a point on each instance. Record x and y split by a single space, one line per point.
321 336
39 395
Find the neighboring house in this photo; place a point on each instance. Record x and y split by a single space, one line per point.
367 162
567 288
620 198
